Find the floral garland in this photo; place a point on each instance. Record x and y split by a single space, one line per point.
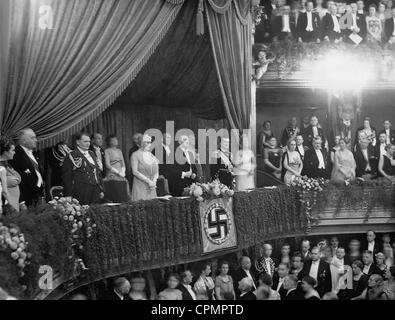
308 190
80 228
207 191
12 240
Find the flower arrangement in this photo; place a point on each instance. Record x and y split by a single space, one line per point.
13 241
80 227
308 190
205 191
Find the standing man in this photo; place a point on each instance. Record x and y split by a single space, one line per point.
379 148
27 165
244 272
319 270
309 25
279 279
97 148
371 243
316 164
221 166
185 286
81 173
330 27
314 130
266 264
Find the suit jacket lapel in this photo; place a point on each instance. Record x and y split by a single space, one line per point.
86 159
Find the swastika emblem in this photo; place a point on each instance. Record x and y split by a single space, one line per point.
217 224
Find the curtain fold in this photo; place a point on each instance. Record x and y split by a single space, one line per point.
231 42
60 79
4 49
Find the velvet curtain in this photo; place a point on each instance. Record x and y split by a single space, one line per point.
62 77
4 49
229 24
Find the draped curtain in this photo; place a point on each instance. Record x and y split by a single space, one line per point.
229 24
60 79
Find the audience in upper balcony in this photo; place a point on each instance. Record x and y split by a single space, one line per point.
272 158
290 132
387 163
366 132
264 135
308 25
312 131
344 164
316 161
389 29
389 133
330 25
366 160
374 27
292 163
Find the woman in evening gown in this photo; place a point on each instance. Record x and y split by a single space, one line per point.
293 163
344 164
145 167
272 158
244 168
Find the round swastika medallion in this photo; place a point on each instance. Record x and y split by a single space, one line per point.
217 224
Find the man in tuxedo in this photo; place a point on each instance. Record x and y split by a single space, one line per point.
379 148
26 163
357 24
389 30
319 270
305 250
183 173
365 159
284 25
296 264
279 279
293 291
81 174
308 25
246 288
316 163
313 131
361 8
330 27
120 290
389 133
221 166
371 244
341 259
242 272
334 244
185 286
369 267
266 264
97 148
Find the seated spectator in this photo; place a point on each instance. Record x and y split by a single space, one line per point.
375 290
366 160
335 149
246 287
224 289
204 286
272 158
359 283
278 280
138 287
389 30
354 250
284 25
264 136
185 286
267 280
387 163
292 163
369 266
308 285
316 162
171 292
344 165
290 132
374 26
293 291
120 291
330 27
308 25
115 184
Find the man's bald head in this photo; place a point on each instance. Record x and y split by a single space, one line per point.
27 138
245 263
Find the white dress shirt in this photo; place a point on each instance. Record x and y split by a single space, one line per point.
382 148
280 283
315 132
365 154
387 132
336 26
268 266
309 21
98 157
119 295
314 269
87 156
249 276
301 150
371 246
393 32
366 269
191 292
286 27
31 156
354 20
321 164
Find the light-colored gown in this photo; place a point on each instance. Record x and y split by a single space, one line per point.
244 170
148 166
115 185
344 159
294 162
13 181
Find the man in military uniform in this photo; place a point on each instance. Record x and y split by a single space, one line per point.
81 173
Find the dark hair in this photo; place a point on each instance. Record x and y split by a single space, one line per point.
79 135
286 245
266 279
108 139
267 122
373 5
358 263
5 145
367 252
175 275
310 281
118 282
224 262
204 266
94 134
297 254
183 274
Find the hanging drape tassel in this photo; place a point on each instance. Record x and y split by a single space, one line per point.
199 19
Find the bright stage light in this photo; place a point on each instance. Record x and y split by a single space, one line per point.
341 71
